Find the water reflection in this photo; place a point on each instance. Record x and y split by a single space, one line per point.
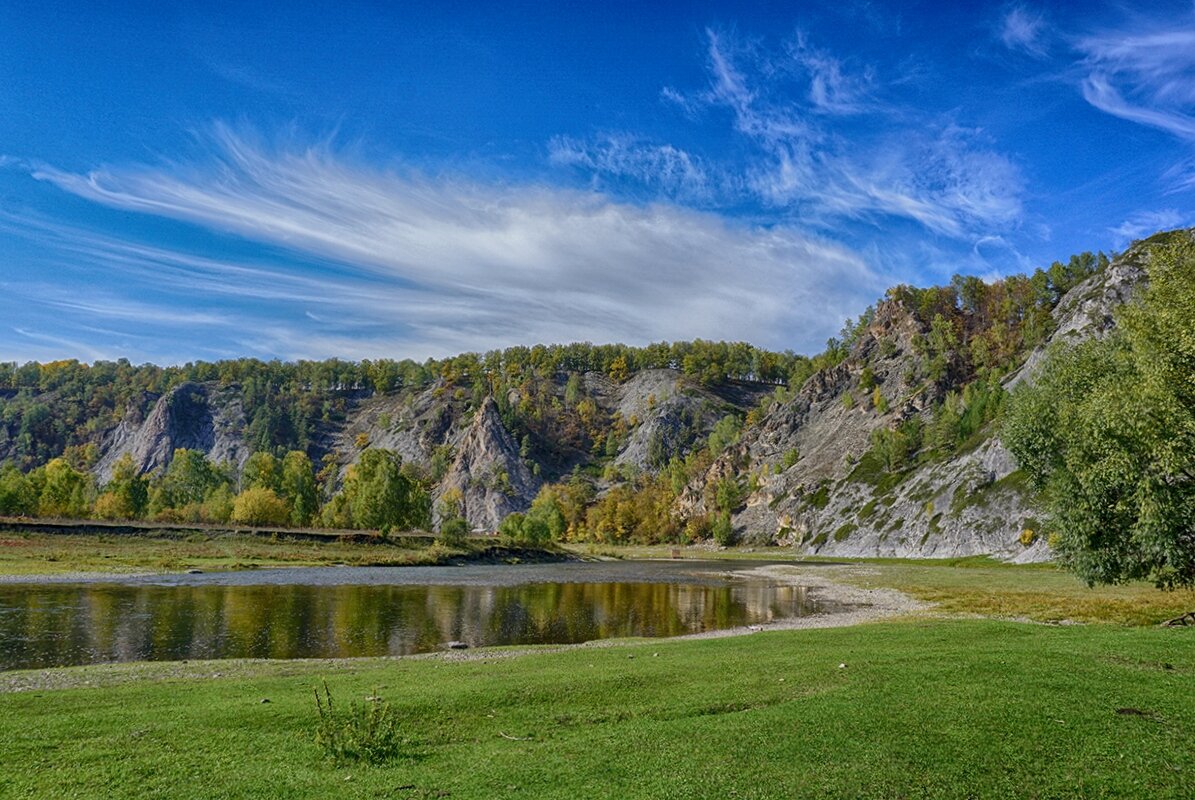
46 626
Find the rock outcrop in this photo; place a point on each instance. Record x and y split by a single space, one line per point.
493 480
195 416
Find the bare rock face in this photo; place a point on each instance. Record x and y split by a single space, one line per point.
412 426
192 415
668 414
491 476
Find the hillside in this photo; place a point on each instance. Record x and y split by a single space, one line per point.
840 497
886 444
496 449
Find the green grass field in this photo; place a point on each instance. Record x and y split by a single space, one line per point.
967 708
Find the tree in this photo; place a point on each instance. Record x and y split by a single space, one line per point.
262 470
126 495
298 487
545 520
258 505
18 495
1108 435
725 433
454 531
189 478
722 530
218 505
380 496
66 492
619 371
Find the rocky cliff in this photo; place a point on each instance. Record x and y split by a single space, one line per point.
829 503
194 416
460 442
803 470
492 478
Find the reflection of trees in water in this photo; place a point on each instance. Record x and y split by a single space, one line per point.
50 625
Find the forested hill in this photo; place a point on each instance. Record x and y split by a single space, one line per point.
883 444
63 407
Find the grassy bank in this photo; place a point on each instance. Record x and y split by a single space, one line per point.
25 553
921 709
974 585
1043 593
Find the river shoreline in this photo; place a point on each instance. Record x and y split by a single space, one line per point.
854 606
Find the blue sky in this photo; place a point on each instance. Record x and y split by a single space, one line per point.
413 180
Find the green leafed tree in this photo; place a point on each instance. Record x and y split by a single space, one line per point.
66 491
299 488
126 495
379 496
18 495
1108 434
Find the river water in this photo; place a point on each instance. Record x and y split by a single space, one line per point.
345 612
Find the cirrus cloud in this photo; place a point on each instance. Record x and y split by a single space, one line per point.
430 267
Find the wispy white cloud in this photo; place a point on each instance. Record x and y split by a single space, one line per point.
1022 28
789 106
680 100
48 347
933 172
1146 75
1147 223
429 268
833 88
665 167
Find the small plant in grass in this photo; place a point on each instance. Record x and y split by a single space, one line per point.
366 731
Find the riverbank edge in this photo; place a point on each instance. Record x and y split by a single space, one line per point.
495 553
862 606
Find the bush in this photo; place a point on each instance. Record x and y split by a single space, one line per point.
511 528
453 531
366 732
258 506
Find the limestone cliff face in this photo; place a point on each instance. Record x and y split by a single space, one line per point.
828 423
193 415
974 503
800 463
489 473
439 430
669 415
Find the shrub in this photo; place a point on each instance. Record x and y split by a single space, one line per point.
1028 537
453 531
258 506
696 529
879 402
365 732
511 528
